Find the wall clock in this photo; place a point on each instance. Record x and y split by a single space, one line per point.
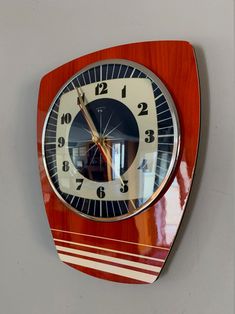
118 134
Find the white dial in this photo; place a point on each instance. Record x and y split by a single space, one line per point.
111 140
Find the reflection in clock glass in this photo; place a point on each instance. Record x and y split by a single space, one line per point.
117 128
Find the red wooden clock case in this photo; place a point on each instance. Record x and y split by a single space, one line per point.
132 250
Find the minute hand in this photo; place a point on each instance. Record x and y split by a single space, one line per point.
96 138
87 116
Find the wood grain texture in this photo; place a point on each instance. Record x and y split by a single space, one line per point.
132 250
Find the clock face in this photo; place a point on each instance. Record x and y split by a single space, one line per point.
111 140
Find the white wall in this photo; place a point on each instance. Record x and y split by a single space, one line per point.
39 35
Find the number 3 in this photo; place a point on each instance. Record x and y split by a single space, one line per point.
150 138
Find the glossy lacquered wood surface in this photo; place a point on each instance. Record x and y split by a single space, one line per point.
132 250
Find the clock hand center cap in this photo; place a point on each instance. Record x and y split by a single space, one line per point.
99 139
95 139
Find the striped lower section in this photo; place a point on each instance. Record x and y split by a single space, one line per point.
104 259
109 259
107 239
133 274
108 250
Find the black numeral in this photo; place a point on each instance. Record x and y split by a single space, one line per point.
124 92
150 138
101 88
80 182
124 187
144 165
65 166
61 141
100 192
83 99
66 118
143 106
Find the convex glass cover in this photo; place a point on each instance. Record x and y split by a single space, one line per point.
111 140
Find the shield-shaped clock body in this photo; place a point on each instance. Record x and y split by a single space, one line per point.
118 133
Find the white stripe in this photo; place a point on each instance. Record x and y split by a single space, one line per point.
133 274
109 259
132 72
89 76
109 250
110 239
158 97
